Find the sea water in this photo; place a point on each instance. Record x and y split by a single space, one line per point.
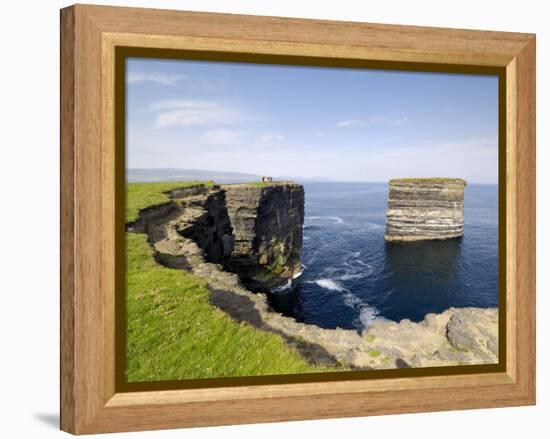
351 276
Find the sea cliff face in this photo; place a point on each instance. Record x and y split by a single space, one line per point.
252 230
267 222
425 209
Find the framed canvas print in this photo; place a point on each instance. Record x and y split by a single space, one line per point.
270 219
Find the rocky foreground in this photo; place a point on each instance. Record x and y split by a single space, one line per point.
198 232
425 209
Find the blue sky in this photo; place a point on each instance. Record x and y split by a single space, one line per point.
344 124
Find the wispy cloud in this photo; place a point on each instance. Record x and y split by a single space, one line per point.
271 137
223 137
370 121
169 79
175 112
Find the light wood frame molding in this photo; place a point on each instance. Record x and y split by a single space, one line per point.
89 37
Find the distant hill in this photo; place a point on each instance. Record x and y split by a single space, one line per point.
172 174
142 175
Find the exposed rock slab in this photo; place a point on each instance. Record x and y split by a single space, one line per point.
425 209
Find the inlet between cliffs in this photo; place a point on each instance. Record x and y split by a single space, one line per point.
352 276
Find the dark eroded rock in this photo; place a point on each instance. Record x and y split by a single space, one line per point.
267 225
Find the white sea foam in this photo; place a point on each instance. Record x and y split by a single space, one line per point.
352 300
329 284
351 268
352 276
282 288
367 313
337 219
332 218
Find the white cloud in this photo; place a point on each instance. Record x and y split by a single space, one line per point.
223 137
175 112
371 120
271 137
351 123
169 79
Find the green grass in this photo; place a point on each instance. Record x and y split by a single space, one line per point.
278 265
172 330
268 183
141 195
373 353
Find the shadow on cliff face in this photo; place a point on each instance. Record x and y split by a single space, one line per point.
267 226
242 309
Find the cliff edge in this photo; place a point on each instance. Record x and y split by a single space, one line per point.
267 220
253 230
425 209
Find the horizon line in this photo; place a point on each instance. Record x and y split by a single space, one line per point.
313 179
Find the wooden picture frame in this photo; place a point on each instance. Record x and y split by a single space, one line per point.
91 401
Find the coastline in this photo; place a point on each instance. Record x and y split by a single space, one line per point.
457 336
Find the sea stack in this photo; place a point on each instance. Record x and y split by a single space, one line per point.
425 209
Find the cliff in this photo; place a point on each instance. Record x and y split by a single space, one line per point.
267 222
253 230
425 209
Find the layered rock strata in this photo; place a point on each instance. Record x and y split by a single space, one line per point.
425 209
253 230
176 231
267 222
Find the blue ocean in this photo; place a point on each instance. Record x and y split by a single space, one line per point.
352 276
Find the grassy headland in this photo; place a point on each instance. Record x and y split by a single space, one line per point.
173 332
141 195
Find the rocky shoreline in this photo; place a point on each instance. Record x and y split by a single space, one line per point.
185 236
